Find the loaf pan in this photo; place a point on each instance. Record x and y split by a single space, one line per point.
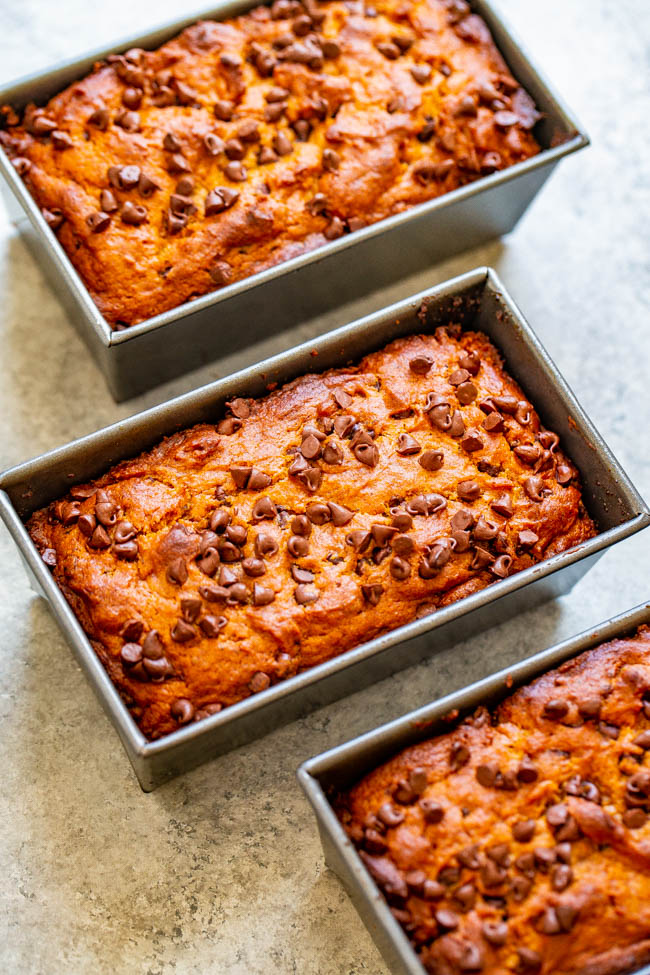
197 332
341 767
475 299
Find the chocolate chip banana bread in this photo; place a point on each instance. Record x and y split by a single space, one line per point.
240 144
338 507
520 841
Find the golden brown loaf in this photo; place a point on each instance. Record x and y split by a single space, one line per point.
520 841
241 144
233 556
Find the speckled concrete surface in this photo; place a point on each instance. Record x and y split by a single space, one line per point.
221 870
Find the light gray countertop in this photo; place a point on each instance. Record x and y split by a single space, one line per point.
221 870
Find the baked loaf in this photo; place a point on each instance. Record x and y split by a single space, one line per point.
233 556
240 144
520 842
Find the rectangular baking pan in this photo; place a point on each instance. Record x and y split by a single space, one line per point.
477 299
341 767
210 327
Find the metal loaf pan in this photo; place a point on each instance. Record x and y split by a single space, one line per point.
475 299
199 331
341 767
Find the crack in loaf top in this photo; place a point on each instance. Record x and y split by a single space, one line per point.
339 507
240 144
520 841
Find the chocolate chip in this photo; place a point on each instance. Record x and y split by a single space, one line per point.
220 199
131 654
561 876
421 73
458 757
563 474
177 572
432 460
446 919
263 507
468 857
492 875
557 815
182 632
100 119
634 818
223 110
259 682
300 525
152 646
98 221
237 593
132 630
382 534
332 454
529 959
526 863
468 490
485 530
505 120
372 594
432 811
100 539
212 625
399 569
401 520
340 514
389 815
465 896
318 513
421 364
108 202
556 709
403 546
265 545
534 487
527 772
127 551
501 566
642 740
133 214
236 171
182 710
237 534
526 538
495 932
304 594
486 774
366 453
520 888
213 144
262 596
547 922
